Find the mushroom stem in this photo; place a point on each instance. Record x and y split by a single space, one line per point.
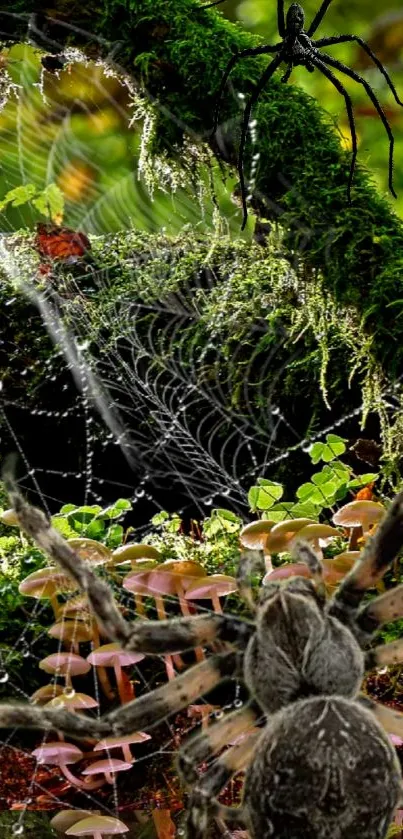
67 681
55 605
216 601
140 610
109 777
162 615
103 677
119 681
76 781
186 612
127 753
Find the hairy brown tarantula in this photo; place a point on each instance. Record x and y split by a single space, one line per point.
322 765
298 48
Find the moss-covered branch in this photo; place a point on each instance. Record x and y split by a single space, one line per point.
177 52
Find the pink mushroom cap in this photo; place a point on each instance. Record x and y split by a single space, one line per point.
123 740
65 663
112 764
110 654
58 753
220 583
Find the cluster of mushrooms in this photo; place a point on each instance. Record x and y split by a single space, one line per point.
149 576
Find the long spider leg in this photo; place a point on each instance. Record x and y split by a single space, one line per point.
280 18
245 122
318 17
387 607
379 552
391 721
202 802
317 62
384 655
253 51
344 39
202 747
332 62
250 563
152 708
23 715
179 634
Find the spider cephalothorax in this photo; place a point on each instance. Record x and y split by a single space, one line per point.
298 48
318 762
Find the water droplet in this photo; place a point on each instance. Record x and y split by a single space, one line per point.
306 445
139 493
275 410
69 692
238 703
4 677
218 715
17 829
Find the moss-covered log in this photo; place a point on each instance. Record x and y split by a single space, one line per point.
176 52
225 344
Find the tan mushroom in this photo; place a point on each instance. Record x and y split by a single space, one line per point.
359 515
62 821
72 633
318 535
97 827
140 557
93 552
46 693
65 664
46 583
281 534
336 567
254 536
9 517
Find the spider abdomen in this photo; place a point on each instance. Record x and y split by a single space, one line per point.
323 769
298 651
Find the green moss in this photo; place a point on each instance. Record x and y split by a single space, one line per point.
177 52
233 318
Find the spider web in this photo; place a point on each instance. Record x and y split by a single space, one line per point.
131 401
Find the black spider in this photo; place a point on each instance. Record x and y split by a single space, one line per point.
296 48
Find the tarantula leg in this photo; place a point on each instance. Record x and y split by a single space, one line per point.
391 721
203 746
384 654
344 39
47 719
153 707
303 552
245 122
379 552
280 18
317 62
36 525
180 634
230 66
287 74
250 563
202 804
387 607
357 78
318 17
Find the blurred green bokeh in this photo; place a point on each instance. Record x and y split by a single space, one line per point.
74 129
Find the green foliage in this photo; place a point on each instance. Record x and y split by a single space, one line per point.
49 201
332 484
